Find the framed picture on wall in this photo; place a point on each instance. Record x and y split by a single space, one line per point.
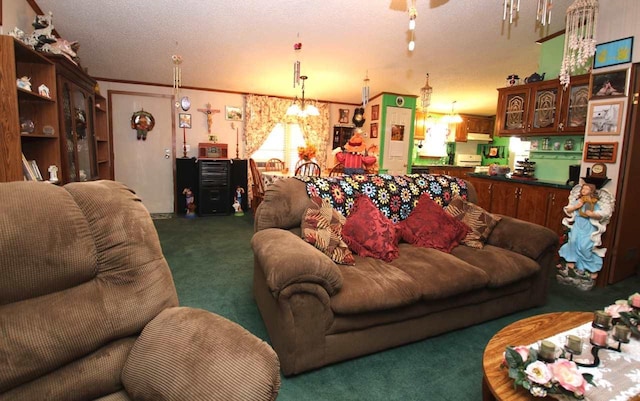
608 84
605 118
233 113
184 120
344 116
613 53
374 130
375 112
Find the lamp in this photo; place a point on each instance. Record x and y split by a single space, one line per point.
302 110
413 14
425 94
177 77
579 37
452 118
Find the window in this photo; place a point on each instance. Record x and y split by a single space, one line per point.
282 143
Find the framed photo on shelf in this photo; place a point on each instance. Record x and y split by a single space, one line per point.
374 130
233 113
184 120
375 112
344 116
613 53
605 118
608 84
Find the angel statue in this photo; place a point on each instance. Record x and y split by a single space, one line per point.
588 213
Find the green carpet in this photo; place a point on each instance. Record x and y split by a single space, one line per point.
212 266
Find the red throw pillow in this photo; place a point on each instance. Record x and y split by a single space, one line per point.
322 227
368 232
429 226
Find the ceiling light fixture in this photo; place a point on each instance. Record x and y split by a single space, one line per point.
579 37
453 118
177 77
425 95
302 110
413 14
365 90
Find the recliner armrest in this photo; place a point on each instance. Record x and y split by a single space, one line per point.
522 237
193 354
286 259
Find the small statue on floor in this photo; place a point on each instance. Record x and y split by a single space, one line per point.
588 211
237 201
190 202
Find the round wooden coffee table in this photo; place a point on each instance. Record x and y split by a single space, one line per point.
496 384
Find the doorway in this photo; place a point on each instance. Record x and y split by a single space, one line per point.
145 166
396 140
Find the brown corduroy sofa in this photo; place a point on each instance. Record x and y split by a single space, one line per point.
89 311
318 312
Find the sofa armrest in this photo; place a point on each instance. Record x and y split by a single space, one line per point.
189 354
286 259
531 240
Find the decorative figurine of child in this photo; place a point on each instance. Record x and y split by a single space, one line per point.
354 156
588 214
190 202
237 201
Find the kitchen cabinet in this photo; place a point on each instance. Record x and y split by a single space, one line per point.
475 125
38 142
543 108
533 203
453 171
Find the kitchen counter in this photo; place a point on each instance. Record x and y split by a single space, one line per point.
551 184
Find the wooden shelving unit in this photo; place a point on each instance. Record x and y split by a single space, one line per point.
17 60
103 142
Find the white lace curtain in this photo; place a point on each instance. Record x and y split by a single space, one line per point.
262 113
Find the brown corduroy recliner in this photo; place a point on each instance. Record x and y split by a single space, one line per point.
88 308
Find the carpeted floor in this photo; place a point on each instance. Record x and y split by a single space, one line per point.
212 265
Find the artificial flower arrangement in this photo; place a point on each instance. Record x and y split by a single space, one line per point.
541 378
627 311
307 152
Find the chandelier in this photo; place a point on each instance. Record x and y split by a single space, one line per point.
579 37
177 77
413 14
425 95
299 108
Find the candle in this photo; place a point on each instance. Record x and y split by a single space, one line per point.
547 350
599 337
574 344
621 333
635 300
601 319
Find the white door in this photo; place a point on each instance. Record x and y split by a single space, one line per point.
146 166
397 134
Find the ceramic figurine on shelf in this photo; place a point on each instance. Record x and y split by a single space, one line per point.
24 83
43 90
589 211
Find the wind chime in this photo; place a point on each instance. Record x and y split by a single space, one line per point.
177 77
579 38
296 64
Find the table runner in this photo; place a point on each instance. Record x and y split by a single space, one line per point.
617 378
394 195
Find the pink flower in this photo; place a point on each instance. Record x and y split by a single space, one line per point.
523 351
615 309
566 374
538 372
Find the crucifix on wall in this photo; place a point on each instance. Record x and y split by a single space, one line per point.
209 112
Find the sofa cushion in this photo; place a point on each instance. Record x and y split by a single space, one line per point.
480 222
322 228
501 265
368 232
373 285
437 274
429 226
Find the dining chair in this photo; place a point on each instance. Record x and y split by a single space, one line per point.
274 164
257 188
308 168
337 170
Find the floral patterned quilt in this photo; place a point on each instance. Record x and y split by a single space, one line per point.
394 195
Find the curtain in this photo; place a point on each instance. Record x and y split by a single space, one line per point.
262 113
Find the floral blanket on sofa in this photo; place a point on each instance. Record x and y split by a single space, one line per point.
394 195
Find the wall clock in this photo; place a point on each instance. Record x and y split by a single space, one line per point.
185 103
399 101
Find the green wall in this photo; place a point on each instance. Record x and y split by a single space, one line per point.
551 59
